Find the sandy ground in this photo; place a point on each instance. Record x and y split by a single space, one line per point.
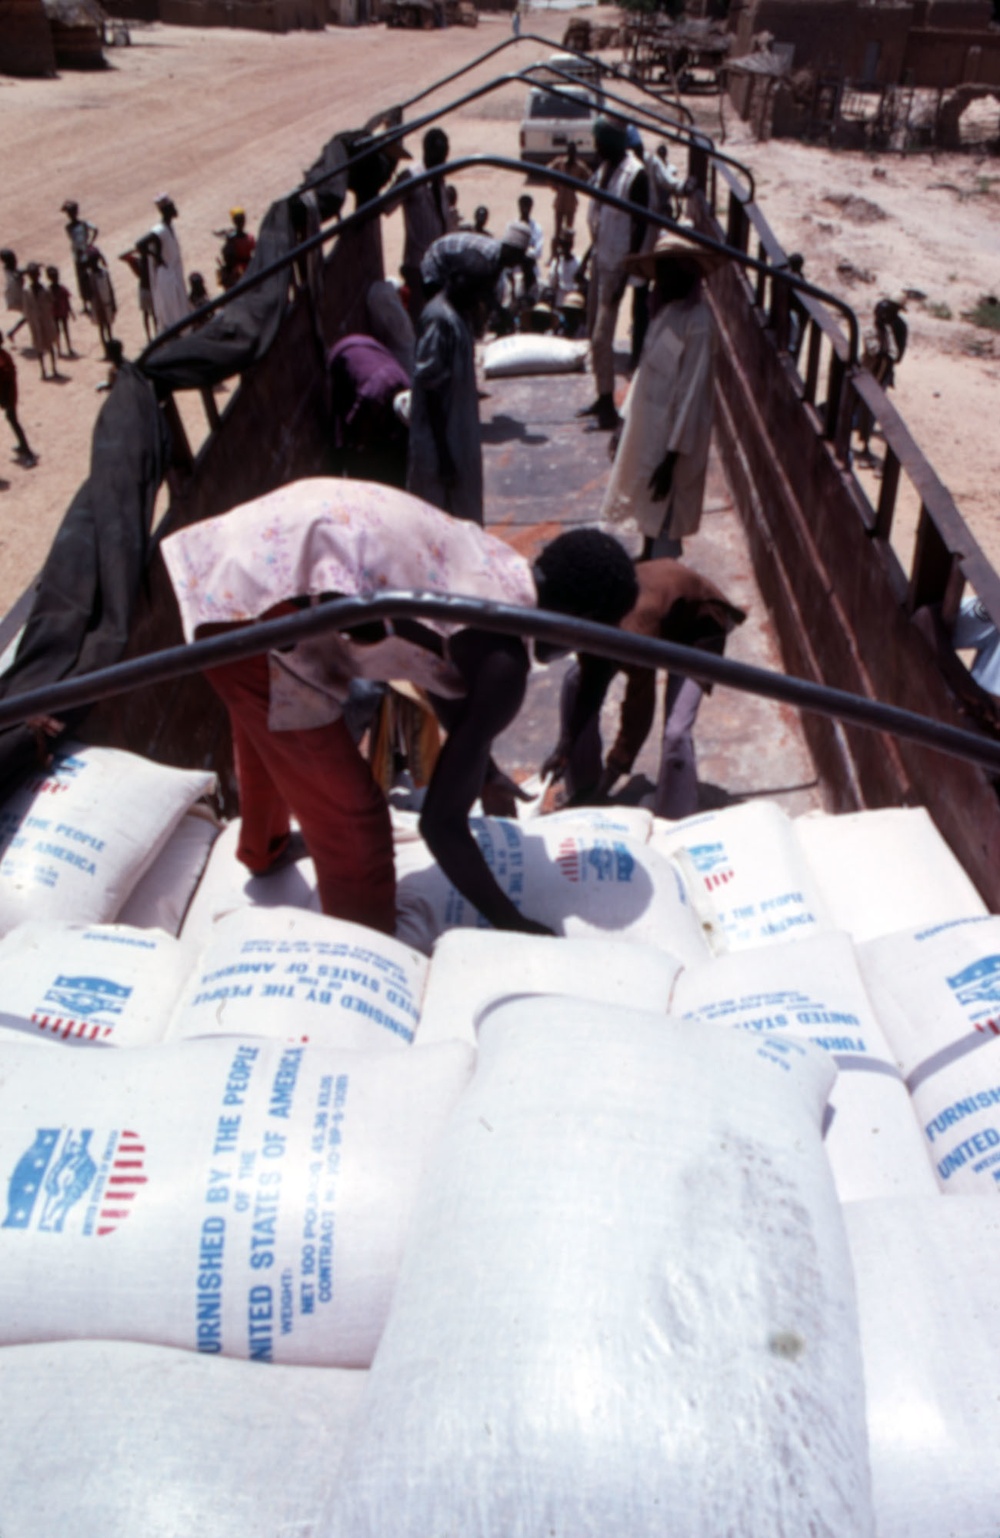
218 117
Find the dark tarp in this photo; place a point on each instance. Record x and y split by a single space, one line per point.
79 619
80 616
242 332
329 181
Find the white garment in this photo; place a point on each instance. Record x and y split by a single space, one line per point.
563 273
610 228
166 280
537 248
664 191
668 408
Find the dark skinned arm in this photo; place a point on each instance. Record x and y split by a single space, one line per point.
662 477
596 674
495 669
635 723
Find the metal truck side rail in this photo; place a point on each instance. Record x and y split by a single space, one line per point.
576 634
946 553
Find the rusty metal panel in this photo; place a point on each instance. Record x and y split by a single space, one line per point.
838 595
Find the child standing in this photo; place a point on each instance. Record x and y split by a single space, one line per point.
62 309
197 296
41 322
138 259
103 307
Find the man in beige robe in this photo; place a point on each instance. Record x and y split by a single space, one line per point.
658 477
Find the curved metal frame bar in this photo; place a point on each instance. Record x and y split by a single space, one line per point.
651 121
504 619
534 37
503 163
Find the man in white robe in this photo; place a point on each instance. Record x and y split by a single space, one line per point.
167 284
658 477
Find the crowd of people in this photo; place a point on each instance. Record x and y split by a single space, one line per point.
42 306
404 409
404 405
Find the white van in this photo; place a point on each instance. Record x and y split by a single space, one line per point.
558 65
552 122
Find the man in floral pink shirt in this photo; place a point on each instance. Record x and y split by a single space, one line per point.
321 538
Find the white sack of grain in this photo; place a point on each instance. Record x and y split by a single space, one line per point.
241 1198
626 1304
937 991
161 898
926 1275
104 985
813 990
473 969
745 874
227 886
104 1438
529 354
77 839
303 977
576 881
885 870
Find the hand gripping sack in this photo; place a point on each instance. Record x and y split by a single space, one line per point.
813 990
626 1304
105 1438
300 976
577 881
236 1197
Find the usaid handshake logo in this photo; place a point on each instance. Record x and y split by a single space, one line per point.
84 1008
977 989
61 1185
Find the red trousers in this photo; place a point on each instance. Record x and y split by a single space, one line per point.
318 777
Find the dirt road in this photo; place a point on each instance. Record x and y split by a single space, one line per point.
220 117
216 118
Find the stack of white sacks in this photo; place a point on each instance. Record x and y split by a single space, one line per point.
643 1229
